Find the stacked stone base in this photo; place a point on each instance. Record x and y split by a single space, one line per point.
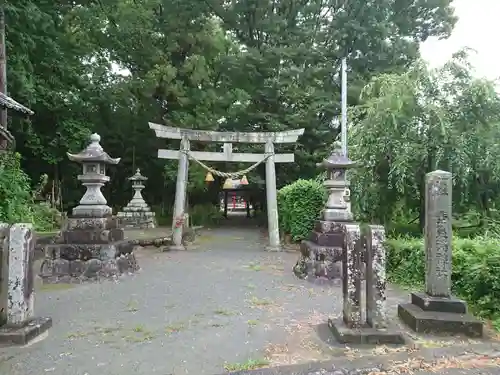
136 219
60 270
321 255
89 249
428 314
25 333
364 334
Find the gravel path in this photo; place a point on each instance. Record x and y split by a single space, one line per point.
224 305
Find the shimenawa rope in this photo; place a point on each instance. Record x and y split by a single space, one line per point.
227 174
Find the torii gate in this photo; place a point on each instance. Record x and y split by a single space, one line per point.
228 138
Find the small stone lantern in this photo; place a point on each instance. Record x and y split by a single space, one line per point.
138 181
93 177
338 205
137 213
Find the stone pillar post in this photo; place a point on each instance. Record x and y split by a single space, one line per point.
21 277
351 329
4 271
436 309
375 277
438 233
20 326
272 202
180 196
351 282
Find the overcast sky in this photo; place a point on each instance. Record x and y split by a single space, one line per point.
478 27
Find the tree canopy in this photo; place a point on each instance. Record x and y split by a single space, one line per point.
421 120
110 66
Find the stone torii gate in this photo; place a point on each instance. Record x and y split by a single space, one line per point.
227 138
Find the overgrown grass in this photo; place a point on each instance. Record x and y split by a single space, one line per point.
250 364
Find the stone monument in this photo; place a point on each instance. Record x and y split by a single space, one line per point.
321 255
137 213
436 310
350 329
91 244
18 325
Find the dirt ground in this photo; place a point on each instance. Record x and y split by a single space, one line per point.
224 305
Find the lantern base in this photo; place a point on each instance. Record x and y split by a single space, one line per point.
94 210
89 248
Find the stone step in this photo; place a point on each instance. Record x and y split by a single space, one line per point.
439 322
431 303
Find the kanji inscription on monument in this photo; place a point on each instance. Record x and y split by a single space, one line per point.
438 233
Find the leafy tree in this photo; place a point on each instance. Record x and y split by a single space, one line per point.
292 56
413 123
255 65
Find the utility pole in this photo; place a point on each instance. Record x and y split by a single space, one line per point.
343 121
3 66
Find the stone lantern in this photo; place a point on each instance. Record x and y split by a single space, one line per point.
93 177
321 254
137 213
138 181
91 245
338 205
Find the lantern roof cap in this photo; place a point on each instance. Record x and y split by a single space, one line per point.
337 160
138 176
93 153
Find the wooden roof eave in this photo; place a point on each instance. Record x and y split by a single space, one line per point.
7 102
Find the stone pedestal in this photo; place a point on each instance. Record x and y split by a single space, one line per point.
436 310
18 325
351 329
321 255
137 213
88 249
91 245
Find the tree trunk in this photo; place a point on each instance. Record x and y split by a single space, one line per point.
3 66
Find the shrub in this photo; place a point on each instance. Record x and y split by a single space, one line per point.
299 205
163 215
476 266
15 190
398 228
46 218
16 197
207 215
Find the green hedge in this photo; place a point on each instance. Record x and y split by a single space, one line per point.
476 270
299 205
207 215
